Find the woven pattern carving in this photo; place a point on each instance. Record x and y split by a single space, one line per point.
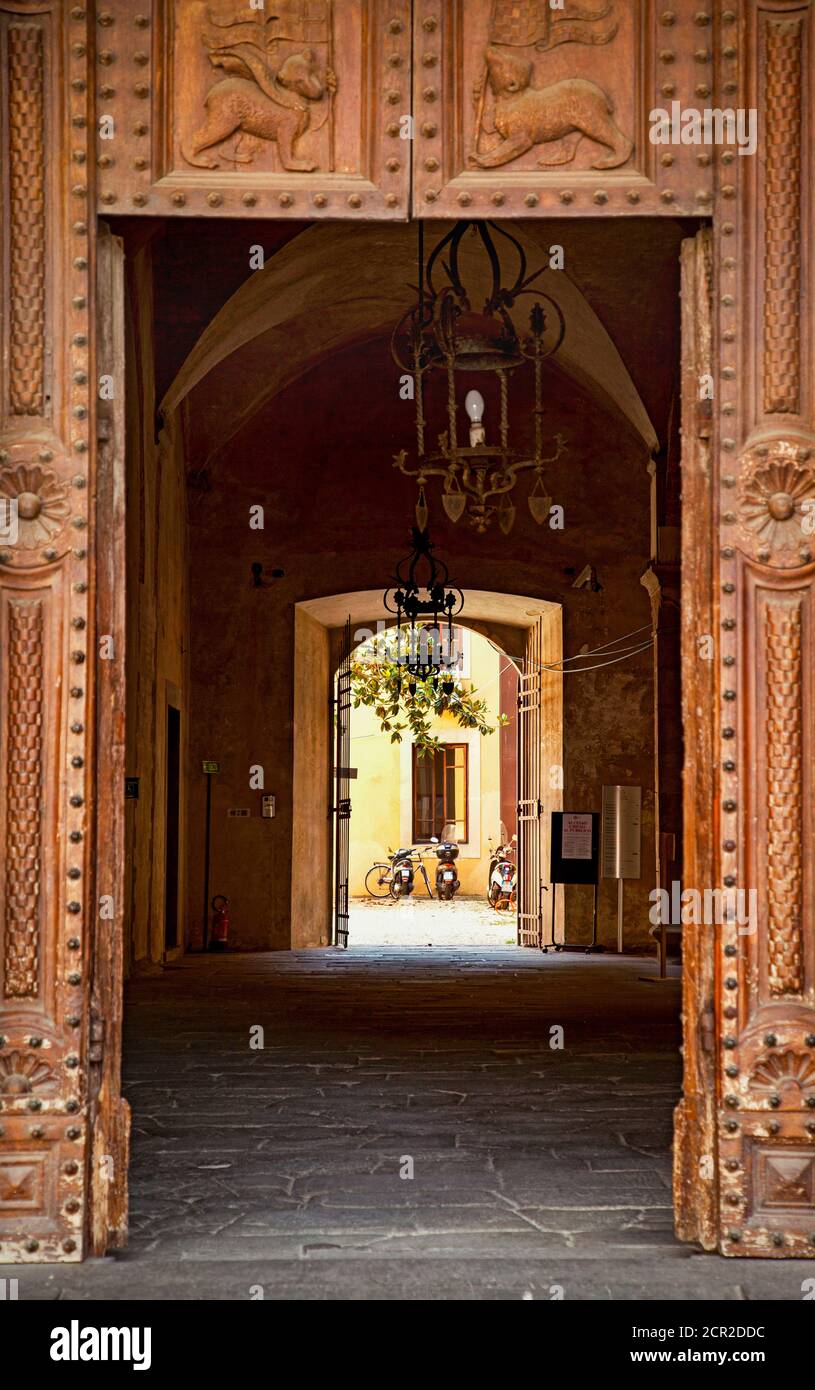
24 779
784 799
782 218
27 221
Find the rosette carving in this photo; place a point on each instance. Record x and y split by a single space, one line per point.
777 504
23 1072
788 1073
34 508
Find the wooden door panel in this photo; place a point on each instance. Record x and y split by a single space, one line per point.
767 995
537 110
766 976
289 110
47 638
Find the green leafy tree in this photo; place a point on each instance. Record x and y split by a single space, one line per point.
403 705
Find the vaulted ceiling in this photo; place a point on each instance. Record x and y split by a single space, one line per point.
229 338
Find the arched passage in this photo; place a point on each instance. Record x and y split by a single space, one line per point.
506 619
276 462
289 406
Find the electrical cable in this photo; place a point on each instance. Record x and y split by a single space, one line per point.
578 670
646 627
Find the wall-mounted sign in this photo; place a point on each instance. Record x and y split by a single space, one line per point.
621 832
131 788
209 767
267 807
241 811
574 847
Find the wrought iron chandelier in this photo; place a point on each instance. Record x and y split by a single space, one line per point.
424 604
443 333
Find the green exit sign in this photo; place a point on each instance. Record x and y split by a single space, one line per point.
210 767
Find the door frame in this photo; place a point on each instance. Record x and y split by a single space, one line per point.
173 701
749 1008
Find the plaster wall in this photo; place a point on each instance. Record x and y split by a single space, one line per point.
155 571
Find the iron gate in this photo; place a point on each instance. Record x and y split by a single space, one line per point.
342 789
530 883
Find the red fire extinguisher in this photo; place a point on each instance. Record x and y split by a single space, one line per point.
219 933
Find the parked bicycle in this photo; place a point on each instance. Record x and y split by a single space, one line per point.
396 878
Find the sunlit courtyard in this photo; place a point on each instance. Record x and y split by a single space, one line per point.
423 921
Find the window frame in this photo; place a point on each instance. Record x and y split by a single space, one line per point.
465 818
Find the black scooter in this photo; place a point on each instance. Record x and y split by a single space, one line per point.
404 874
447 880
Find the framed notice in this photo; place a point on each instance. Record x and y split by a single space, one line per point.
575 847
575 835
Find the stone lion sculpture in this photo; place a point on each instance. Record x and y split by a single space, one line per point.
525 116
260 103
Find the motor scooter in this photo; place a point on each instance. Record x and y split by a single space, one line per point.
402 883
403 877
502 881
447 879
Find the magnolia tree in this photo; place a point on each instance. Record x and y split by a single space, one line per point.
380 681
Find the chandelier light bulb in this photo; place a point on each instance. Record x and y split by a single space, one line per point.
474 406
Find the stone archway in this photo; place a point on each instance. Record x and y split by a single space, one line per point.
504 618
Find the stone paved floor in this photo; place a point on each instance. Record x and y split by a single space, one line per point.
281 1168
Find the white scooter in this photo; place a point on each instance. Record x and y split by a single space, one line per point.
502 889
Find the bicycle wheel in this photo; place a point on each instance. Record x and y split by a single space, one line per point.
378 880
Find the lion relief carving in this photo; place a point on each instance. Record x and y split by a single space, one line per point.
262 103
562 114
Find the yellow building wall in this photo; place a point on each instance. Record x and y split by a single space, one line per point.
381 795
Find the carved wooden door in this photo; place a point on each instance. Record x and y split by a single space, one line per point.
326 86
294 109
745 1152
546 112
48 640
764 980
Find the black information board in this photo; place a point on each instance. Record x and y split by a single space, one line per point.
569 842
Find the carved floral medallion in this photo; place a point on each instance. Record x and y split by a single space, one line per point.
789 1075
777 503
41 502
21 1073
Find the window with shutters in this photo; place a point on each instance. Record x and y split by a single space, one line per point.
440 793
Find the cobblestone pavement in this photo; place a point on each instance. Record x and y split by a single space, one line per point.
532 1167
